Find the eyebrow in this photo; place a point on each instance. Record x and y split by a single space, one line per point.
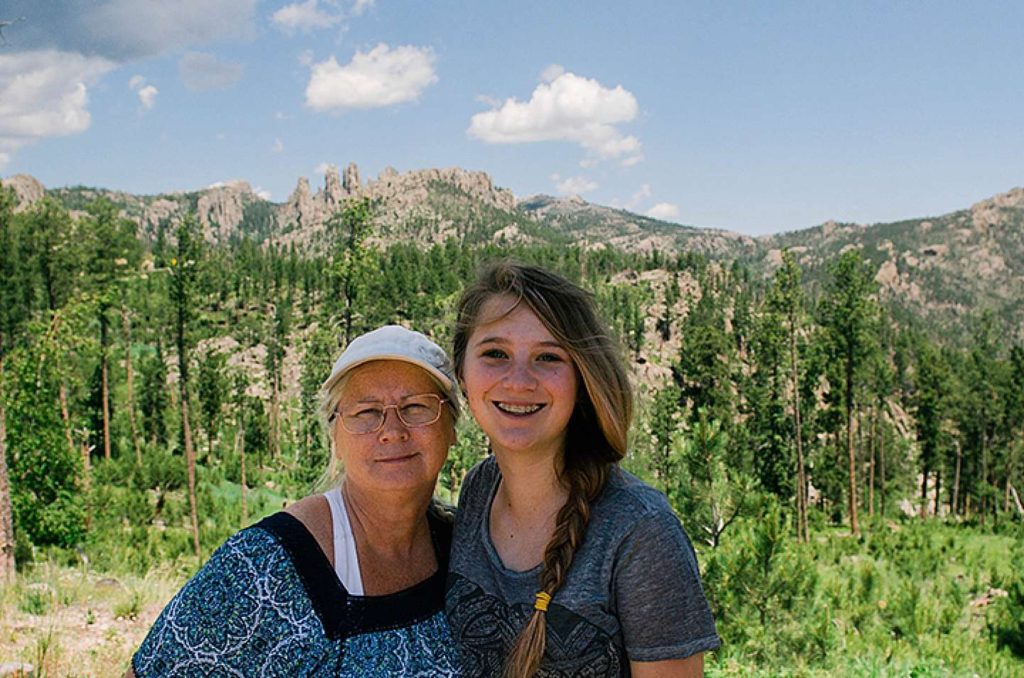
502 340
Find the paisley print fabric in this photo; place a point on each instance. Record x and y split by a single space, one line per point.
268 604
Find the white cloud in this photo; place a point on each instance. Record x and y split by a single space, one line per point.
45 94
664 210
643 193
567 107
278 146
322 168
262 193
573 185
5 158
125 29
147 96
304 16
360 6
136 82
306 57
381 77
552 73
200 71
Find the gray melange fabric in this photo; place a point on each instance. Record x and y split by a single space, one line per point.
633 591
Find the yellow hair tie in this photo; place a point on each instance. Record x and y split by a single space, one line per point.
542 601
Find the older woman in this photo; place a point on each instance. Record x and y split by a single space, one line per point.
346 583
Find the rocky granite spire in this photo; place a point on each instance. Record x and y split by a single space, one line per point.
334 193
350 182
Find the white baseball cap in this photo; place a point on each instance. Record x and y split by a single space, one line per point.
394 342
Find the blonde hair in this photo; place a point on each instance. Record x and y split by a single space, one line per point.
597 431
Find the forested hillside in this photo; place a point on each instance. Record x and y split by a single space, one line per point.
847 465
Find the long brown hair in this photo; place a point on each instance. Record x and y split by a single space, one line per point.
597 429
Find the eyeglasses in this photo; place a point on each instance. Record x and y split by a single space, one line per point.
413 411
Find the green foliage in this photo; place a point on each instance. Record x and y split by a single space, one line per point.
45 494
212 387
153 396
708 491
897 600
762 586
352 262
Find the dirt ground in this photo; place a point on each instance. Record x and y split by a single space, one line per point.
65 623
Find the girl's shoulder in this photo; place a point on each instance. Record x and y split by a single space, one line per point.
630 499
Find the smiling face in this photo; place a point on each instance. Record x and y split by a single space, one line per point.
396 457
520 382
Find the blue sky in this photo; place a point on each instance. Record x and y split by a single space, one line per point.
754 117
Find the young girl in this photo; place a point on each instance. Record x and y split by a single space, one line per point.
562 563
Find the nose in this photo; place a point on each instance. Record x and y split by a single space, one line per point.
392 430
520 377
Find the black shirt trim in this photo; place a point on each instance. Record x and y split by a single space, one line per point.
344 615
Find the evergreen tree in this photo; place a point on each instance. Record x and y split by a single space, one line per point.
153 401
47 500
212 387
184 269
352 262
849 318
930 402
786 298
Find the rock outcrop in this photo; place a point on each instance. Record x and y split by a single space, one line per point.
221 207
27 190
350 181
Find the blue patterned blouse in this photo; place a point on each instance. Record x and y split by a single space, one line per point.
268 603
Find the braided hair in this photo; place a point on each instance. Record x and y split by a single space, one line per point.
597 428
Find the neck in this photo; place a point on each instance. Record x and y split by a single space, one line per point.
529 484
384 521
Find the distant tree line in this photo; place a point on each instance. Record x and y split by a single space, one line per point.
124 398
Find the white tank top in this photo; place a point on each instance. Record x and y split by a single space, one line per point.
346 560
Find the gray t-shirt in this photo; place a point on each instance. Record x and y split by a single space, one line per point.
633 591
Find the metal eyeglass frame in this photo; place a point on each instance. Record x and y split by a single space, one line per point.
398 413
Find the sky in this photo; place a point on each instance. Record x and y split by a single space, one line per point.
756 117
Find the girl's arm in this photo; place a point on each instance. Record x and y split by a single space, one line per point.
691 667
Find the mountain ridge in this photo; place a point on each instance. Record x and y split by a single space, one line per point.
941 269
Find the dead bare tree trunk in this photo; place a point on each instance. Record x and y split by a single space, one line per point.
955 505
924 493
7 561
803 531
851 450
104 369
240 450
1016 500
131 388
66 418
881 474
275 417
190 461
871 461
87 481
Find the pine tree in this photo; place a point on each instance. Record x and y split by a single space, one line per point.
849 317
352 262
184 268
8 323
786 299
212 389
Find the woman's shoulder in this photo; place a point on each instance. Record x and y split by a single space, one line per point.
631 497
